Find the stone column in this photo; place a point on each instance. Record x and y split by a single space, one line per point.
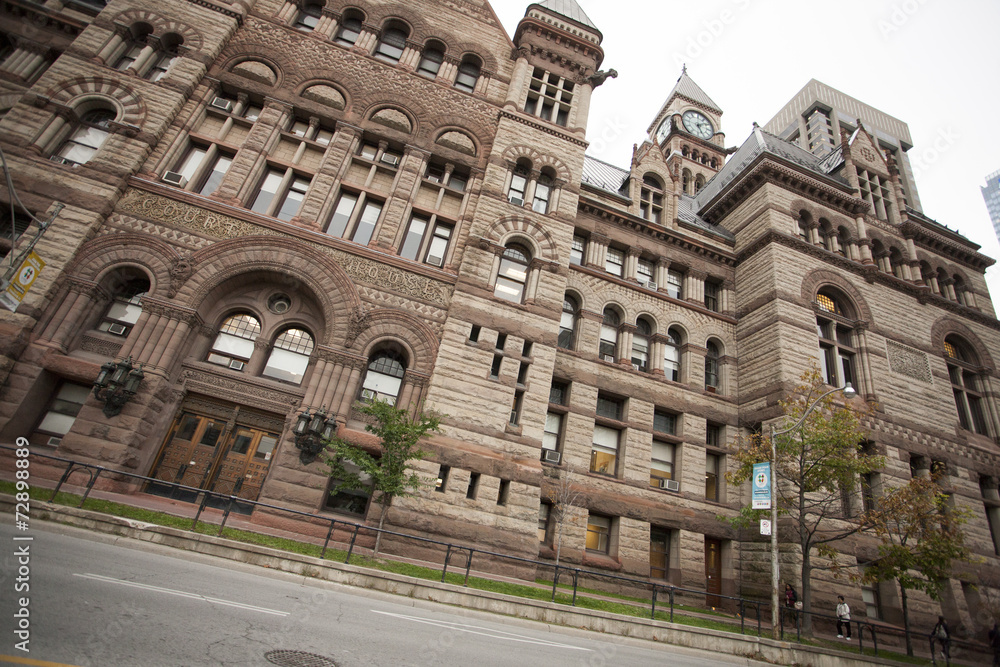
632 263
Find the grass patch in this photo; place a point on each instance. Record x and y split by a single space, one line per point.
618 604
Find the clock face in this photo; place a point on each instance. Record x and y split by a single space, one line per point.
663 130
698 125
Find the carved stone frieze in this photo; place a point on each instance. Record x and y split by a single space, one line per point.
908 361
245 391
161 209
105 348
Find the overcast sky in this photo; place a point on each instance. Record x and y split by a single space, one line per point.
935 65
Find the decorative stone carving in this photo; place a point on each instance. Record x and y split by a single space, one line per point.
360 320
908 361
105 348
180 271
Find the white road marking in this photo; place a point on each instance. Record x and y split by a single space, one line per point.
183 594
486 632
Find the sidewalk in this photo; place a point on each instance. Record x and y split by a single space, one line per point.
695 637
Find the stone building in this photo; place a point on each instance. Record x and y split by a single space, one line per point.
278 208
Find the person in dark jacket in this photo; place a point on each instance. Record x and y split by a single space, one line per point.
791 597
942 636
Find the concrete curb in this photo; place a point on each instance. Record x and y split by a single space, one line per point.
750 648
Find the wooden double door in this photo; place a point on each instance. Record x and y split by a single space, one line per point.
217 454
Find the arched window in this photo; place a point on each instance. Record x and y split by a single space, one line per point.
519 182
843 241
88 137
308 17
651 199
699 183
672 355
468 73
138 34
168 54
543 192
431 59
392 42
964 371
126 307
686 181
712 365
384 377
802 226
896 260
640 344
608 348
289 356
350 27
826 235
960 290
836 339
567 323
234 344
513 275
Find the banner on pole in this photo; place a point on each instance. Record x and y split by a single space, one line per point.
22 281
761 499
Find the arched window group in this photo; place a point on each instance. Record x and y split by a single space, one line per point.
146 55
527 185
126 306
235 343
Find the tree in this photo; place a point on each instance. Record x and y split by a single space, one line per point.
920 537
563 500
818 468
387 474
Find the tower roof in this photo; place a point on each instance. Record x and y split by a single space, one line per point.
686 87
570 9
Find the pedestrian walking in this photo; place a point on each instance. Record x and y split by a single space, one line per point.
791 600
843 619
941 635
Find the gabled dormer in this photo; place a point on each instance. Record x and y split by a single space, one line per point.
688 132
557 53
875 178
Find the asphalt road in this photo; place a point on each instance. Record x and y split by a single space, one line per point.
100 600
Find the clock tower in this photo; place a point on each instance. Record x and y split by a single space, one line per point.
688 131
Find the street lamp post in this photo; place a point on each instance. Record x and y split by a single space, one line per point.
849 392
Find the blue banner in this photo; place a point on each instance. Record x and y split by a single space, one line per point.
761 499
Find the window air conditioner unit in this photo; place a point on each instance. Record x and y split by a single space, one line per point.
222 104
551 456
710 389
651 285
670 484
391 160
236 364
54 441
635 367
516 201
608 357
368 394
513 417
435 261
174 178
59 159
117 329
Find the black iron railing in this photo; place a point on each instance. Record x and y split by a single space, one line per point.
790 617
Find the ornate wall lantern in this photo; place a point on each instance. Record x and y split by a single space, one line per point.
116 384
312 432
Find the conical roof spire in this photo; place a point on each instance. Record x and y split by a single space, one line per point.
570 9
686 87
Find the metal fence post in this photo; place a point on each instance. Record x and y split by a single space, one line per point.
555 582
326 543
468 566
652 610
447 557
350 548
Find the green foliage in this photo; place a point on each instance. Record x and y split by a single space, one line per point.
388 474
920 537
820 459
